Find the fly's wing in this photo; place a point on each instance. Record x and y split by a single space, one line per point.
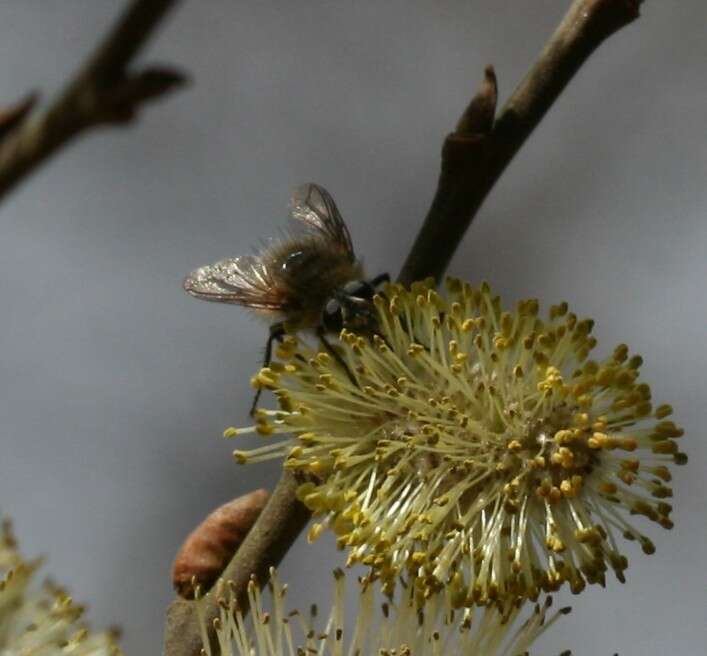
239 280
313 205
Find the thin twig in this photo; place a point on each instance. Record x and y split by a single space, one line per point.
473 161
473 158
104 92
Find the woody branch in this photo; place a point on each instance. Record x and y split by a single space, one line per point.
104 92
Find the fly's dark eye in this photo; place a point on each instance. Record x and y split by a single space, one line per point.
333 316
359 289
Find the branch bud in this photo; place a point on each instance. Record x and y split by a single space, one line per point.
210 546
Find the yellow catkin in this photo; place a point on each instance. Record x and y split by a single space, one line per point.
460 430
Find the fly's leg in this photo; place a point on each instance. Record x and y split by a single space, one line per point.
380 279
277 332
321 334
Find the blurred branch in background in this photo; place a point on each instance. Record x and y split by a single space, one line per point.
104 92
473 158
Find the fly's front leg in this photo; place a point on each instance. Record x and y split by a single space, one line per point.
277 332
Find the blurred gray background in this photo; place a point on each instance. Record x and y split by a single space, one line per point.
115 386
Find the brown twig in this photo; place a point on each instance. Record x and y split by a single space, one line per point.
103 92
473 158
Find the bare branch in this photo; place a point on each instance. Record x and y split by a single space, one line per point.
473 162
103 92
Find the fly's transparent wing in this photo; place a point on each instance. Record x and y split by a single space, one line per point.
313 205
238 280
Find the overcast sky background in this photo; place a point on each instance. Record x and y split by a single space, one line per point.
115 386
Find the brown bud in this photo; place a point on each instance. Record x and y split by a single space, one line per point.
210 546
120 103
479 115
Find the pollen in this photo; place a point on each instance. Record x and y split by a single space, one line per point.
470 444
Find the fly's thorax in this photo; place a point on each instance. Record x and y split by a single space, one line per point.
310 272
